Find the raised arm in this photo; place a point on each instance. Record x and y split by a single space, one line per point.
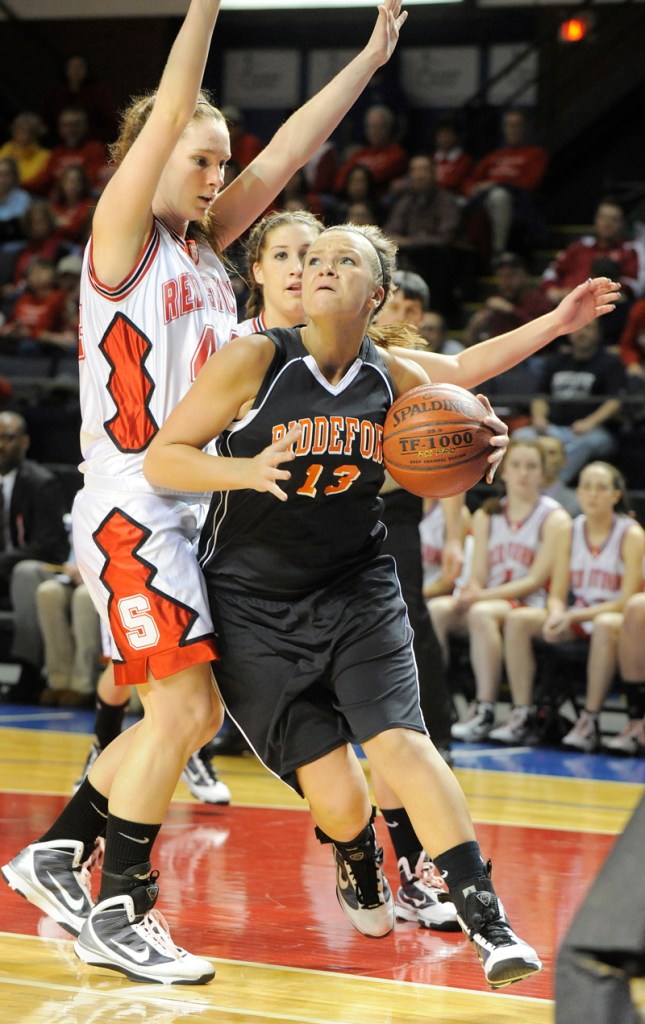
480 362
302 134
123 216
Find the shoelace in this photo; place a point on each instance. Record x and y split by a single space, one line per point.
93 862
154 929
428 874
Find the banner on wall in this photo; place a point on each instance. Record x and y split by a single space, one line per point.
262 79
439 76
520 84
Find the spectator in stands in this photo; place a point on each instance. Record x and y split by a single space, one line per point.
423 221
31 527
598 566
514 302
631 663
37 312
13 201
73 204
513 550
361 212
504 183
43 240
27 129
632 344
432 329
386 159
554 459
409 300
452 163
296 196
80 90
432 529
76 149
321 169
359 187
244 145
575 263
69 624
579 400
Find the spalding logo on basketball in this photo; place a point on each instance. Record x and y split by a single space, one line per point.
434 441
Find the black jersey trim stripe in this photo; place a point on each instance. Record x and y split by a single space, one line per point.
125 287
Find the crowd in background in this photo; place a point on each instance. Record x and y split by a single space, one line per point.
457 220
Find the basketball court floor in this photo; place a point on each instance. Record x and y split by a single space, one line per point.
250 887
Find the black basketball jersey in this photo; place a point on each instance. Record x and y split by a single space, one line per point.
330 522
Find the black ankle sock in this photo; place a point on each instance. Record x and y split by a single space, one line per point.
635 693
108 722
465 872
404 838
84 818
127 843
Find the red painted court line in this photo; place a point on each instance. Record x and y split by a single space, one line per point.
254 884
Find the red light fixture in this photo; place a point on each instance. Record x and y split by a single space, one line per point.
574 30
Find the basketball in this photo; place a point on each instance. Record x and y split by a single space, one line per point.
434 441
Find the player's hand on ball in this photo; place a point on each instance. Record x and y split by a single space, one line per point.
499 440
265 467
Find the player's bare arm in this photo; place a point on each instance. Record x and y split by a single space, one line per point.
222 393
123 217
480 362
305 131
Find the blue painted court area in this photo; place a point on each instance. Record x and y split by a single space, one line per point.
25 716
530 760
549 761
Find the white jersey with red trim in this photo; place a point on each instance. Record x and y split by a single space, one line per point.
596 574
142 344
254 325
512 547
432 529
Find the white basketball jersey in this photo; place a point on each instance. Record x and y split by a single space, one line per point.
142 344
596 574
254 325
512 547
433 532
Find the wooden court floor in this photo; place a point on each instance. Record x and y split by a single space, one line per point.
250 887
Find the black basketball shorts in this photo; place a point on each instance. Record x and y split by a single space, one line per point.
303 677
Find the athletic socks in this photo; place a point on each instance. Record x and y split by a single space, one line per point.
127 843
464 871
635 694
404 838
108 722
84 818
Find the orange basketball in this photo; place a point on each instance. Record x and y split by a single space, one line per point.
434 441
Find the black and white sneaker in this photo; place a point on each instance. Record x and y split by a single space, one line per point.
54 878
423 896
362 888
202 780
504 957
124 933
94 752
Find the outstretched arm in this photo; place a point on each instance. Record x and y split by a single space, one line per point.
479 363
299 137
123 216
